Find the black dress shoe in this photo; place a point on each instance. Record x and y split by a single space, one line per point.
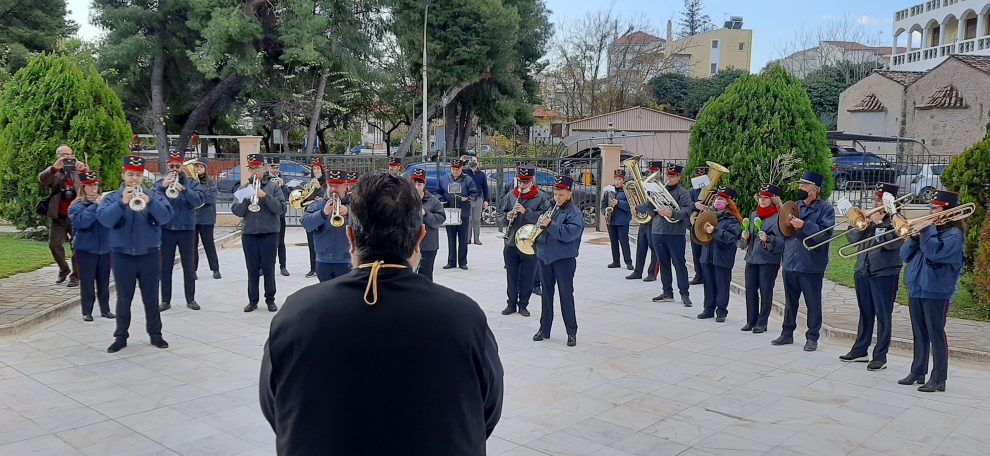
782 340
164 306
463 266
719 319
877 364
759 330
635 275
524 311
912 379
540 336
811 345
571 341
250 307
538 291
509 310
61 277
272 307
449 266
109 315
612 265
195 275
87 318
686 300
705 316
159 342
650 278
748 327
851 358
216 274
932 386
663 298
192 305
117 345
73 282
696 281
285 272
311 274
630 267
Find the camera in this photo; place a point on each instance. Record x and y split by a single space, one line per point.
69 165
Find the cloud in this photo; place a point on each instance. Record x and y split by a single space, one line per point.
867 20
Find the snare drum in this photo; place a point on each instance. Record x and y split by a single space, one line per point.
453 216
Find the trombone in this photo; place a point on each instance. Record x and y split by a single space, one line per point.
859 219
904 228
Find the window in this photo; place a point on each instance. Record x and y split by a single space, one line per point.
742 46
714 44
714 68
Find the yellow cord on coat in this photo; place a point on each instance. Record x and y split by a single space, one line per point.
372 287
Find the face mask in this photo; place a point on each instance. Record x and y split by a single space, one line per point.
802 195
720 204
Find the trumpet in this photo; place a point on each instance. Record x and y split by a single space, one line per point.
528 234
336 220
172 192
137 204
859 219
904 228
254 206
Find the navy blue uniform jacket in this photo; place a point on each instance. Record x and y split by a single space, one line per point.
134 233
183 206
797 258
621 214
562 237
468 189
721 251
773 251
934 262
433 218
207 215
330 243
88 235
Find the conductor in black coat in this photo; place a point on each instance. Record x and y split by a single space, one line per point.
393 364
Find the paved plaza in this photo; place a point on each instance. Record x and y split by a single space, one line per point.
644 379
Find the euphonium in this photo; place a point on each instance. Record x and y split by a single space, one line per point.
707 196
336 220
528 234
254 206
137 204
298 197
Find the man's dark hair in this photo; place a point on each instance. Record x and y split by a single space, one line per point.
385 216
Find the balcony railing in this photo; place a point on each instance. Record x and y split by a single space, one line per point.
983 43
922 8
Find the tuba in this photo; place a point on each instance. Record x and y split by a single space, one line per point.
715 172
660 199
528 234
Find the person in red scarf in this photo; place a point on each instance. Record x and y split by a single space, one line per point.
764 246
522 205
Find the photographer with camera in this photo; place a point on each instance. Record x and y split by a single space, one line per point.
62 180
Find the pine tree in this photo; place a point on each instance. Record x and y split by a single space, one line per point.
30 26
50 102
758 118
693 20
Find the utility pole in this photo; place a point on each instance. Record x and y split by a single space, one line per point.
426 133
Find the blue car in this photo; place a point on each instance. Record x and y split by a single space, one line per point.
228 180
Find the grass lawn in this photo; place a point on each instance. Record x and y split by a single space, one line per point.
841 271
22 255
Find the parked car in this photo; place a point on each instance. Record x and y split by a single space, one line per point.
229 179
922 180
860 170
585 196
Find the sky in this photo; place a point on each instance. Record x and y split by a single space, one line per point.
775 23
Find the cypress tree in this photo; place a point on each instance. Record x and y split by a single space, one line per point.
969 174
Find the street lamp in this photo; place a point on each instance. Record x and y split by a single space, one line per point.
445 126
610 132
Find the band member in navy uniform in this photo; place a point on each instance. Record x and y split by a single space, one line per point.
804 269
135 239
333 257
877 274
91 247
381 348
395 165
433 218
618 225
206 219
521 205
557 251
669 238
695 246
260 235
274 164
644 244
934 257
180 231
464 192
316 172
764 248
718 257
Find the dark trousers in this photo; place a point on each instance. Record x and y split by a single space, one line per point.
644 244
696 256
94 280
928 326
810 285
60 232
259 255
426 263
520 270
670 249
312 251
205 233
281 243
183 240
875 297
457 243
717 289
327 271
130 271
538 277
561 274
760 279
618 236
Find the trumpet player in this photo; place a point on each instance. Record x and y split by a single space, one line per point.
274 162
804 269
644 243
394 165
433 218
719 255
557 251
260 235
521 205
669 237
327 220
877 274
764 248
316 178
614 202
91 247
206 219
934 256
180 231
135 256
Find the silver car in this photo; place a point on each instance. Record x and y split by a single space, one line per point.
922 180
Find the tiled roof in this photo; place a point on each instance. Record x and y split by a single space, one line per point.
541 112
901 77
945 98
849 45
980 62
868 104
637 38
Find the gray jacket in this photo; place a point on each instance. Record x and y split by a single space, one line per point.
756 252
433 218
885 261
535 207
267 220
207 215
683 215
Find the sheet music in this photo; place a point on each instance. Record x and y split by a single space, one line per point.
244 192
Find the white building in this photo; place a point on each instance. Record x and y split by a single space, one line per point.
832 53
933 30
